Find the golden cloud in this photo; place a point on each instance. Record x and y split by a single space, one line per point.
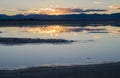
59 11
117 6
113 9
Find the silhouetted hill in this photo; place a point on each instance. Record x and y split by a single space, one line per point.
115 16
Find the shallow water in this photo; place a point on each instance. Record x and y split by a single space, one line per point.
94 44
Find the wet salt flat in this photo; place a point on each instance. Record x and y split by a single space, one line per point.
93 44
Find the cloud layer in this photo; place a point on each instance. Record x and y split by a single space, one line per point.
117 6
59 11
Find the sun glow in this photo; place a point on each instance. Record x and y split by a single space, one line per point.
48 11
51 11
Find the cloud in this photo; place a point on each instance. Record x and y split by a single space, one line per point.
59 11
97 2
22 9
94 10
113 9
117 6
87 10
1 9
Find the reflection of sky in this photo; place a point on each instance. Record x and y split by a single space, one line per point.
57 31
61 32
105 47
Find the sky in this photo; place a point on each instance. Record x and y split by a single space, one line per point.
58 7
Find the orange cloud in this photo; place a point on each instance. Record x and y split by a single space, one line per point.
117 6
113 9
59 11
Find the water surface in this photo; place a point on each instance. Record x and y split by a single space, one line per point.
94 44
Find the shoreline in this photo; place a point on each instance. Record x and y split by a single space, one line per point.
106 70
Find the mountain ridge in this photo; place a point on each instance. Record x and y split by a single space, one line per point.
115 16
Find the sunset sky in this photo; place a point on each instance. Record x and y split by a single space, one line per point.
58 7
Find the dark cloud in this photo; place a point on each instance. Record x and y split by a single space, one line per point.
95 10
88 10
78 10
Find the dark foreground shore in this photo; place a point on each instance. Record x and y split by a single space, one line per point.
111 70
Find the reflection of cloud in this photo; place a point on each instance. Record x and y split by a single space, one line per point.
98 32
104 29
93 29
97 37
52 30
113 30
55 30
116 31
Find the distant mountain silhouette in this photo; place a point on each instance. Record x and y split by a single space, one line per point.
115 16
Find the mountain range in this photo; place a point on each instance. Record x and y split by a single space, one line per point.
115 16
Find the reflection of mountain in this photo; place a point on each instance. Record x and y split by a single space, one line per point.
115 16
